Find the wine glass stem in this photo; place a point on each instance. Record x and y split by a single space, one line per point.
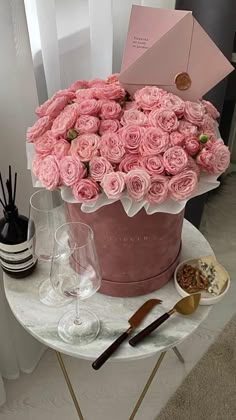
77 320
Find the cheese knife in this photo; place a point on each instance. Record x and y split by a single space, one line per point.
185 306
134 321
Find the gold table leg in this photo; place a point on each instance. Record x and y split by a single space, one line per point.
178 354
70 387
145 389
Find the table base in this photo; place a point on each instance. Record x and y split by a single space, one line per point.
142 395
70 387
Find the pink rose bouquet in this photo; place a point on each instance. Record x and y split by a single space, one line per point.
95 138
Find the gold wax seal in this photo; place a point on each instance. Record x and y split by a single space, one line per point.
183 81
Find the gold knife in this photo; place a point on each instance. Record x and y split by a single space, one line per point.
134 321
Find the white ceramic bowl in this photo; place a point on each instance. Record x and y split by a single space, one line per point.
206 297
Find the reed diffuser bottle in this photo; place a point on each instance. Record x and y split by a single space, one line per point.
16 253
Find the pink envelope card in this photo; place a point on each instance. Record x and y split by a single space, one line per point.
169 49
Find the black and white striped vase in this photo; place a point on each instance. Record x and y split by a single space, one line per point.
16 252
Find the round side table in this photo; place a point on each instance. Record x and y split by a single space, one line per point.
41 321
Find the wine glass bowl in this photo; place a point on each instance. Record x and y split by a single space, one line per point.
75 273
46 214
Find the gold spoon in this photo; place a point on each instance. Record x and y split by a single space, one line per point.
185 306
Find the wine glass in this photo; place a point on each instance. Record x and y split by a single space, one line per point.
45 215
75 272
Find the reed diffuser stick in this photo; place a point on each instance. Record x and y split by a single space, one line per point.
3 191
10 186
15 182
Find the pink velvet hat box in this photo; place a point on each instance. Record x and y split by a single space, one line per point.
137 254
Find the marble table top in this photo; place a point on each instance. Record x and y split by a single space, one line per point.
41 321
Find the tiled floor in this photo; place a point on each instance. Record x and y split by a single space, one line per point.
111 393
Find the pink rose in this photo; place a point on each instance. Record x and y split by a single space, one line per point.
129 162
85 147
173 103
163 118
154 141
149 97
89 107
130 105
175 160
107 126
36 163
65 120
49 172
53 106
210 109
193 166
78 84
137 182
110 92
153 165
72 170
208 123
194 112
87 124
61 148
187 129
158 190
222 156
110 110
191 145
96 83
38 129
44 145
85 190
176 138
206 160
112 147
181 186
113 78
132 136
134 117
84 94
98 167
113 184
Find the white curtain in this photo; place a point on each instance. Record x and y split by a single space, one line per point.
78 39
45 45
18 99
